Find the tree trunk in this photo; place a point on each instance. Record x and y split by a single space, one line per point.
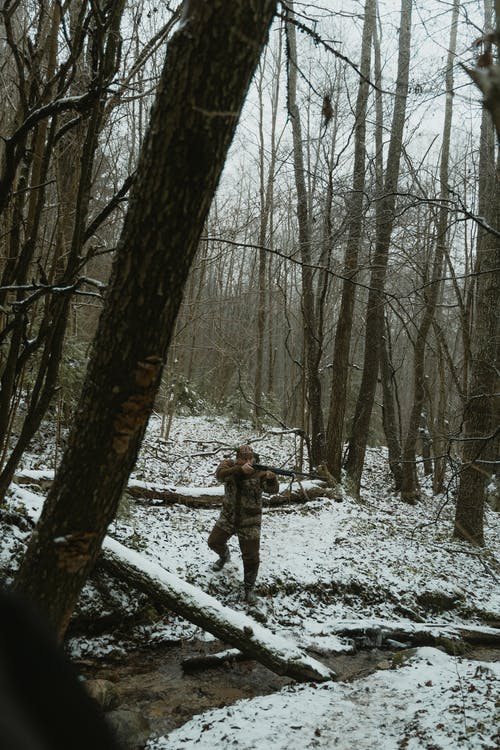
375 306
410 492
312 336
266 208
209 64
389 413
439 430
340 372
480 430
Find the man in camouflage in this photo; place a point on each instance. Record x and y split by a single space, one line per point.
241 513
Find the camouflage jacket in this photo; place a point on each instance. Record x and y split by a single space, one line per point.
242 506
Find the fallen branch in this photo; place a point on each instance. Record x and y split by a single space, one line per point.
235 628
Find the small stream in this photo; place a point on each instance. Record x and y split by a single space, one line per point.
152 683
151 686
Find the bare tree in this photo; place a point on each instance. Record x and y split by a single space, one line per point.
266 197
384 225
409 484
312 334
340 368
36 324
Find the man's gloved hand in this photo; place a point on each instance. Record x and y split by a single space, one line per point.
248 469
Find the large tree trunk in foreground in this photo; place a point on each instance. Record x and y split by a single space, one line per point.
208 68
232 627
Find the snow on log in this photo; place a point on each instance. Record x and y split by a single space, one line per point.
192 497
277 654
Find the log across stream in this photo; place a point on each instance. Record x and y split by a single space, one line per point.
273 651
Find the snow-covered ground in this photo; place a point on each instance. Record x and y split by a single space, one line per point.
333 571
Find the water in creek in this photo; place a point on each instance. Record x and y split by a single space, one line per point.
153 682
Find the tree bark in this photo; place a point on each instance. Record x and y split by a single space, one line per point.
209 64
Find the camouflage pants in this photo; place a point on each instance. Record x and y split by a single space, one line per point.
249 546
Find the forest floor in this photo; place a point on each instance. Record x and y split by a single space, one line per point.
377 590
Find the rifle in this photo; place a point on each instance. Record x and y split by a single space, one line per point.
286 472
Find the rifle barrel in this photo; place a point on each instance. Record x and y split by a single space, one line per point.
285 472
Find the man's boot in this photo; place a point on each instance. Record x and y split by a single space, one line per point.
223 559
250 595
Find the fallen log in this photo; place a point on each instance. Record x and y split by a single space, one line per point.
208 497
235 628
211 497
192 496
451 637
195 497
192 664
448 636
